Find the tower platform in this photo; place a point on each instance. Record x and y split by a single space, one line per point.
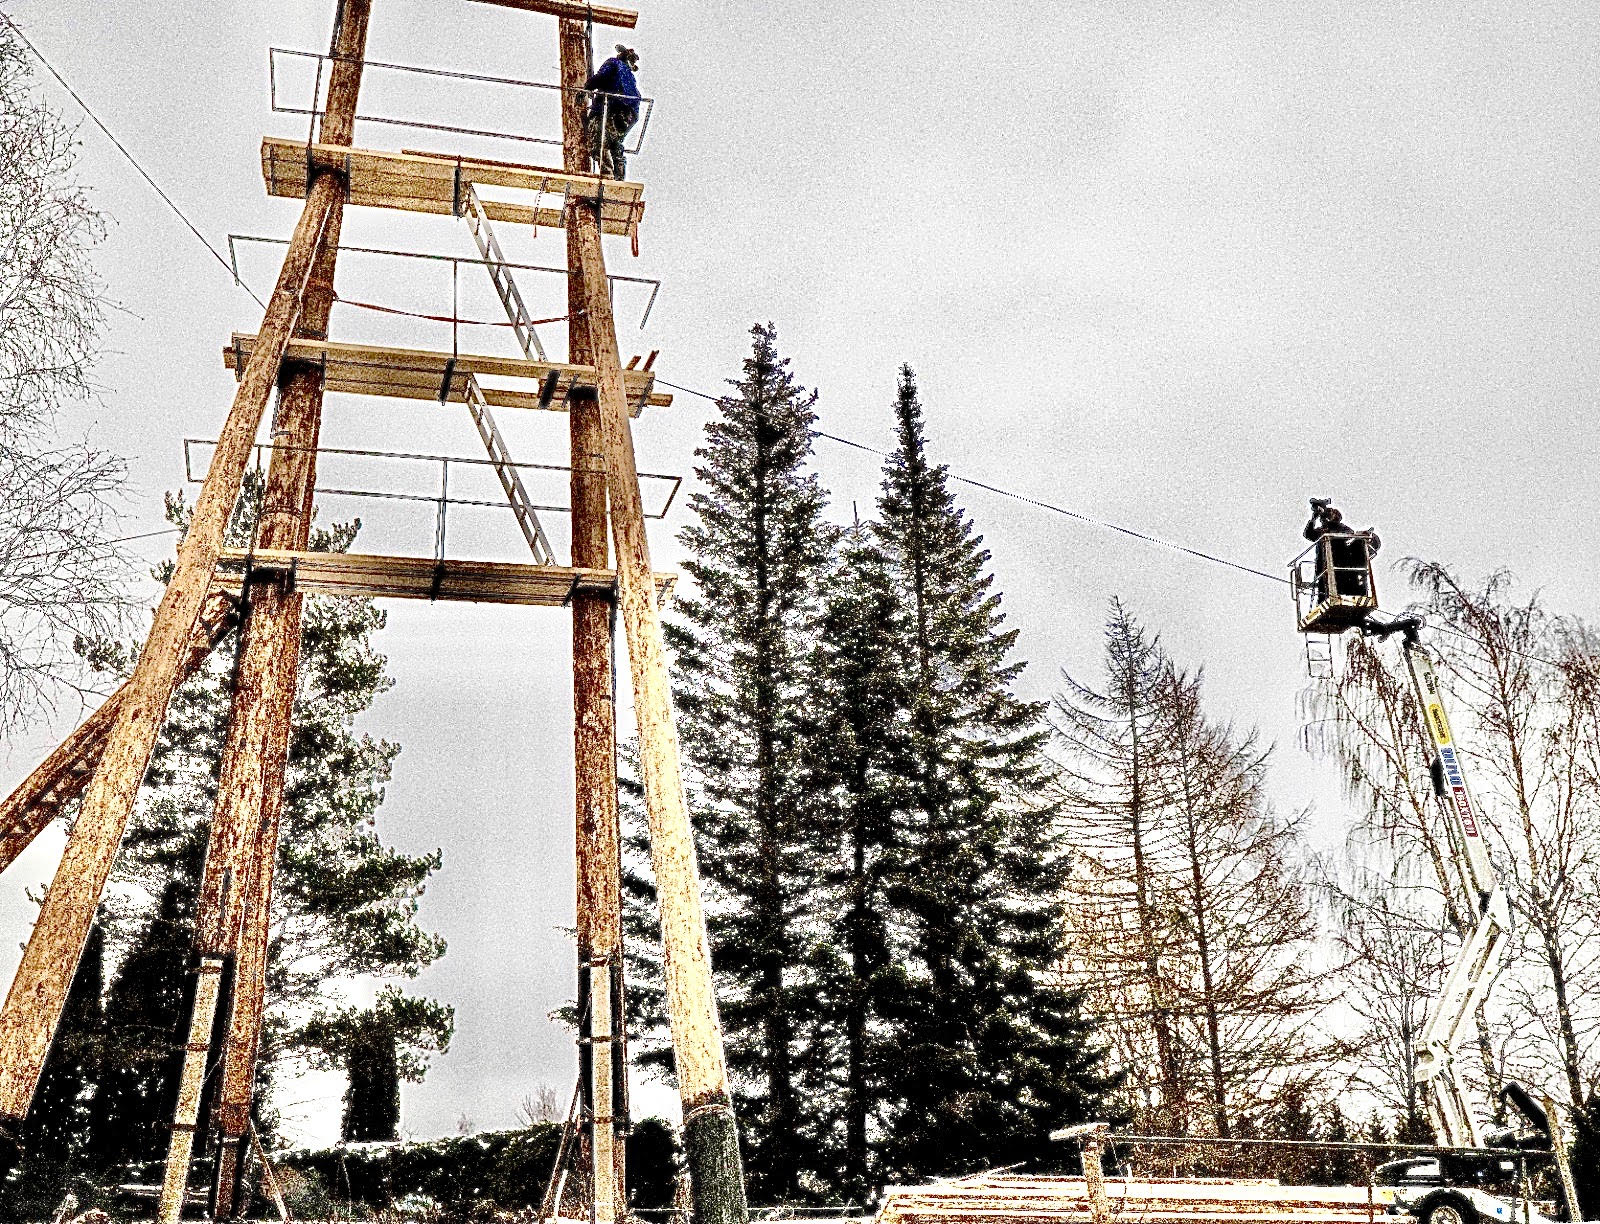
427 374
436 183
390 577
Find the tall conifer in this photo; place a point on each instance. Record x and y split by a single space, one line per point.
990 1053
743 641
863 765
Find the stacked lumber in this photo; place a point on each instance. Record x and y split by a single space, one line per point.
1012 1199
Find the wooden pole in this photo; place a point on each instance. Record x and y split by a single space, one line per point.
234 905
601 1002
61 776
710 1134
38 992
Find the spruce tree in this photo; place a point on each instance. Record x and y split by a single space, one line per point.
863 765
743 641
991 1053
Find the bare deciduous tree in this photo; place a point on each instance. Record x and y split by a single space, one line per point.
1524 693
62 576
546 1103
1396 941
1190 923
1531 738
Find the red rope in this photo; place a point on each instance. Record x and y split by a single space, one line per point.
433 318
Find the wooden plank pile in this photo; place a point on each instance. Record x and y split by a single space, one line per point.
1011 1199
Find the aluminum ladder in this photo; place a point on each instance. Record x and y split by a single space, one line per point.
494 259
510 477
522 324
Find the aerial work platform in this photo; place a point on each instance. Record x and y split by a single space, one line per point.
390 577
437 183
426 374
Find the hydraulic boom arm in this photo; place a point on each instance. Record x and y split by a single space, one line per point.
1451 1019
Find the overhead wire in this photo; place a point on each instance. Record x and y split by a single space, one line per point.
132 160
1036 502
1025 499
1132 532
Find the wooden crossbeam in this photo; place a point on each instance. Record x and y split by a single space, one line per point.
421 374
600 14
435 183
390 577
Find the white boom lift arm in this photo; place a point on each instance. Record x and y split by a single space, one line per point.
1452 1018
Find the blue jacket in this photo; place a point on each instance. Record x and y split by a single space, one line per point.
614 77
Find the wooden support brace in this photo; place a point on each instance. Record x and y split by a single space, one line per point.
61 777
38 992
711 1140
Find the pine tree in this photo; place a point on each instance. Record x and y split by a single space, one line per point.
743 642
377 1048
990 1053
372 1101
344 904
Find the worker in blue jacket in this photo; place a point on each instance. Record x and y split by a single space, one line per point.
614 105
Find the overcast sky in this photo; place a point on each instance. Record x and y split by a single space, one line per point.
1175 265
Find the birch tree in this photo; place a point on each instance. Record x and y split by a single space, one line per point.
1524 695
62 575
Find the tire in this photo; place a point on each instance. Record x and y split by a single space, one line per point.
1450 1209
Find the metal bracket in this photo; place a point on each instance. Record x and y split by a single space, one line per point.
547 392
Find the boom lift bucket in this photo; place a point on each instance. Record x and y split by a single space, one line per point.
1332 584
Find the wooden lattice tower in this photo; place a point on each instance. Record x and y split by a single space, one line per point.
104 761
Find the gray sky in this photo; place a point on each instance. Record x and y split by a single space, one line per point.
1178 265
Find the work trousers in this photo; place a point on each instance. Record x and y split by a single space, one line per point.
608 147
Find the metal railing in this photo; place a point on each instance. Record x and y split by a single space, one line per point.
457 262
443 499
315 110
